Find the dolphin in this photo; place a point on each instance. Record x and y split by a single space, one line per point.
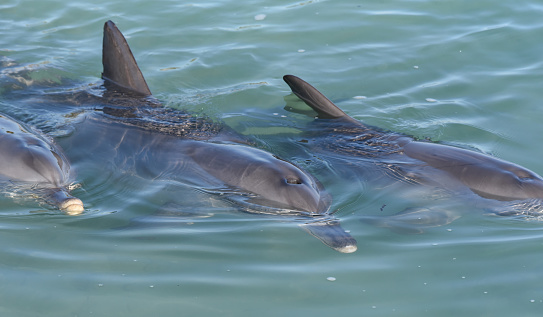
138 134
424 162
30 160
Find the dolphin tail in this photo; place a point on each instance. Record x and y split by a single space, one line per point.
120 67
332 234
315 99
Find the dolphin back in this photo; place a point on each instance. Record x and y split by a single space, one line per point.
120 67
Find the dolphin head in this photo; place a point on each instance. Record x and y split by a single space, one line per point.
28 157
487 176
509 182
282 184
274 182
279 187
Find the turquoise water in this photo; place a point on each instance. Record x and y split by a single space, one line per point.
462 72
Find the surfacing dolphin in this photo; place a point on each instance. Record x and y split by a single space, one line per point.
455 169
29 161
166 144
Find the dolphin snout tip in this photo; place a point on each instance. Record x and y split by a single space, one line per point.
72 206
347 249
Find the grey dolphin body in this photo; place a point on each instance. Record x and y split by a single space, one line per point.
166 144
30 160
430 163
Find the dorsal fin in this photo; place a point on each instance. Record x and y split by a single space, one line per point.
120 67
315 99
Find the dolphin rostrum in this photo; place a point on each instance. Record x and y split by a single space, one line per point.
139 134
31 160
425 162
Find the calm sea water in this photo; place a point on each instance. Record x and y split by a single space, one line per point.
466 73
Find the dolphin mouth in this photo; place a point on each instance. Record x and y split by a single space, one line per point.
266 207
255 204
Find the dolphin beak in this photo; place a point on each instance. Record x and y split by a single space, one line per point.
66 202
72 206
332 234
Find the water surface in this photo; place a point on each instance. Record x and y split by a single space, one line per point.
461 72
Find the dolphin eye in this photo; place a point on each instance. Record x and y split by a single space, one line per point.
293 180
523 174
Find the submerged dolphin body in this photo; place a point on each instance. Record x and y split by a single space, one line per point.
166 144
442 166
30 160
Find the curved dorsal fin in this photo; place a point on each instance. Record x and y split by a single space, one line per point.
120 67
315 99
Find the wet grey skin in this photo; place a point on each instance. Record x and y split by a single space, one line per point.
138 133
423 162
32 161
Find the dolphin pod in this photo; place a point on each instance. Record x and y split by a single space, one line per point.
135 132
456 169
140 134
29 159
132 130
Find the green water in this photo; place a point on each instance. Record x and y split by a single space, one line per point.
463 72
